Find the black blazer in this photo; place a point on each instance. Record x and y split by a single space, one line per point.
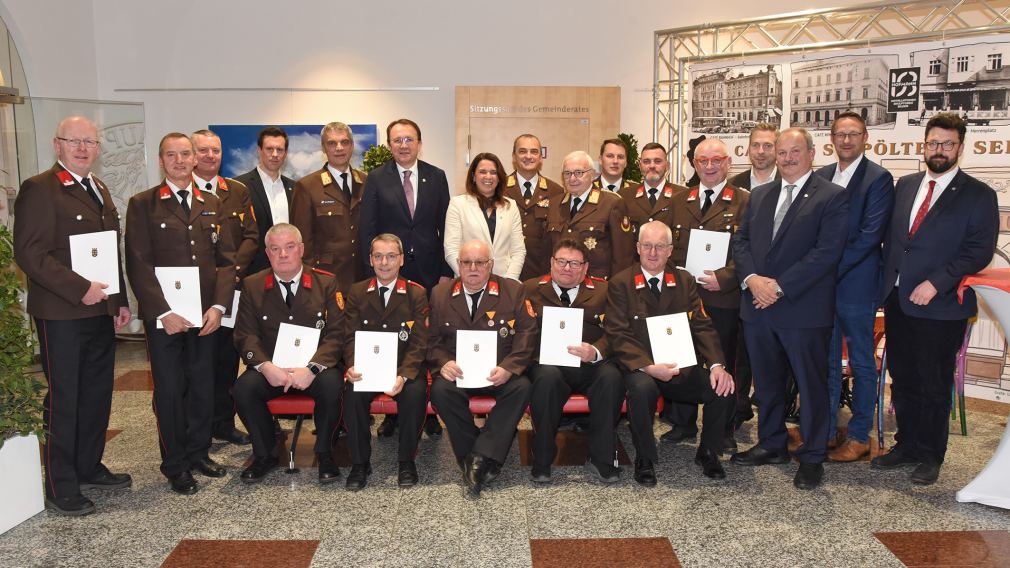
957 238
261 209
384 210
742 179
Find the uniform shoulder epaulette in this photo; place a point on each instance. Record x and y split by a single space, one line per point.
416 284
323 272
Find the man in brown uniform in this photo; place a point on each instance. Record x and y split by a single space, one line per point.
533 193
293 293
387 303
237 220
74 317
479 301
594 217
653 198
174 224
613 162
650 289
324 207
568 286
713 205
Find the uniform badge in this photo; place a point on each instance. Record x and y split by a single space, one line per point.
178 285
298 342
490 315
503 332
529 309
94 252
490 323
410 325
404 336
340 301
601 316
667 191
626 224
221 183
639 281
544 203
249 355
542 184
320 324
693 196
356 176
325 177
375 349
511 182
590 243
492 290
594 196
213 237
65 178
671 280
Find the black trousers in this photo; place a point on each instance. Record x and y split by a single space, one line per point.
225 372
182 366
921 358
552 385
252 391
691 386
411 405
78 358
494 440
727 325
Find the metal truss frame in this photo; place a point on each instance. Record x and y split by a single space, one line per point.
860 26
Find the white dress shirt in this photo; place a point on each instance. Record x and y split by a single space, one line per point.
276 195
413 180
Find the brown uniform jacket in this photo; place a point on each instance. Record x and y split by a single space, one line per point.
261 311
503 308
629 302
159 234
405 313
724 215
625 183
533 213
237 220
601 224
641 211
329 224
49 208
592 298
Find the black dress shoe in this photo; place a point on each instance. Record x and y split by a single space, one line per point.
183 483
105 479
760 456
406 474
357 479
493 470
388 426
74 506
645 472
233 436
709 462
432 426
540 473
603 472
728 445
678 435
894 459
475 473
808 476
209 467
926 473
259 468
328 470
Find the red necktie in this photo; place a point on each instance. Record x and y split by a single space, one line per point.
923 209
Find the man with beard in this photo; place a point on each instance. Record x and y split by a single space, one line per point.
533 193
761 152
943 228
653 198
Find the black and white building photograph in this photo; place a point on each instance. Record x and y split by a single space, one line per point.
824 88
972 80
734 99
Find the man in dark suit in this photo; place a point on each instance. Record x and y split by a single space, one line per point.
408 198
761 152
477 300
871 197
787 251
943 228
325 208
176 225
533 193
269 191
236 219
74 318
293 293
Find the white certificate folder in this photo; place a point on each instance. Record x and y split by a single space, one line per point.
295 346
375 358
95 256
706 250
670 337
477 356
181 287
229 320
561 328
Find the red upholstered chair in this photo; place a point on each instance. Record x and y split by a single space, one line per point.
296 405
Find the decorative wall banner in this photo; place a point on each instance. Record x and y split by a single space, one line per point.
305 155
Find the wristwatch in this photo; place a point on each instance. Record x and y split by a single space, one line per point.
316 369
778 291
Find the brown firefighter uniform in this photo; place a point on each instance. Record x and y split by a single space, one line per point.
592 298
625 184
601 224
328 221
533 213
238 221
641 211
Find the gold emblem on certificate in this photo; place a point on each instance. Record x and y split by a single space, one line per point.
669 331
476 347
708 247
94 252
178 285
562 324
375 349
298 341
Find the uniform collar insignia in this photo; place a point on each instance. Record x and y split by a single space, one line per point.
371 285
670 280
588 283
641 191
66 178
545 280
268 282
401 286
355 175
511 182
693 196
594 196
457 288
639 281
325 177
727 193
197 195
667 191
221 184
492 288
306 280
542 184
165 192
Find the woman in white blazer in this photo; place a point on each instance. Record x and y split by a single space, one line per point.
484 213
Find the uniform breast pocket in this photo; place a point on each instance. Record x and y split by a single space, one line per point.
210 231
330 210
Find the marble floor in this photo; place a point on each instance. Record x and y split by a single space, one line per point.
753 518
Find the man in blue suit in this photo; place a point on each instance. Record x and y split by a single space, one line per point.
871 198
787 251
943 228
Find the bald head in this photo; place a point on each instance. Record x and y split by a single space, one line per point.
712 162
76 144
475 247
655 232
475 264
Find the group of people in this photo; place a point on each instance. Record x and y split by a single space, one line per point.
813 255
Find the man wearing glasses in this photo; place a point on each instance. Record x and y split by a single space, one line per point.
567 286
651 289
943 227
387 303
477 300
712 205
651 199
533 193
592 216
871 197
74 317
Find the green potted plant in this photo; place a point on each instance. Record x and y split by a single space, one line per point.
21 425
631 171
375 156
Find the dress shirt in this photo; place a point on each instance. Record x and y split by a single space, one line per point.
413 180
716 192
91 180
754 181
276 195
843 177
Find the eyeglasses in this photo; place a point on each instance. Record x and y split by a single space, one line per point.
390 258
846 135
715 162
404 141
947 145
574 173
562 263
76 142
474 264
650 247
